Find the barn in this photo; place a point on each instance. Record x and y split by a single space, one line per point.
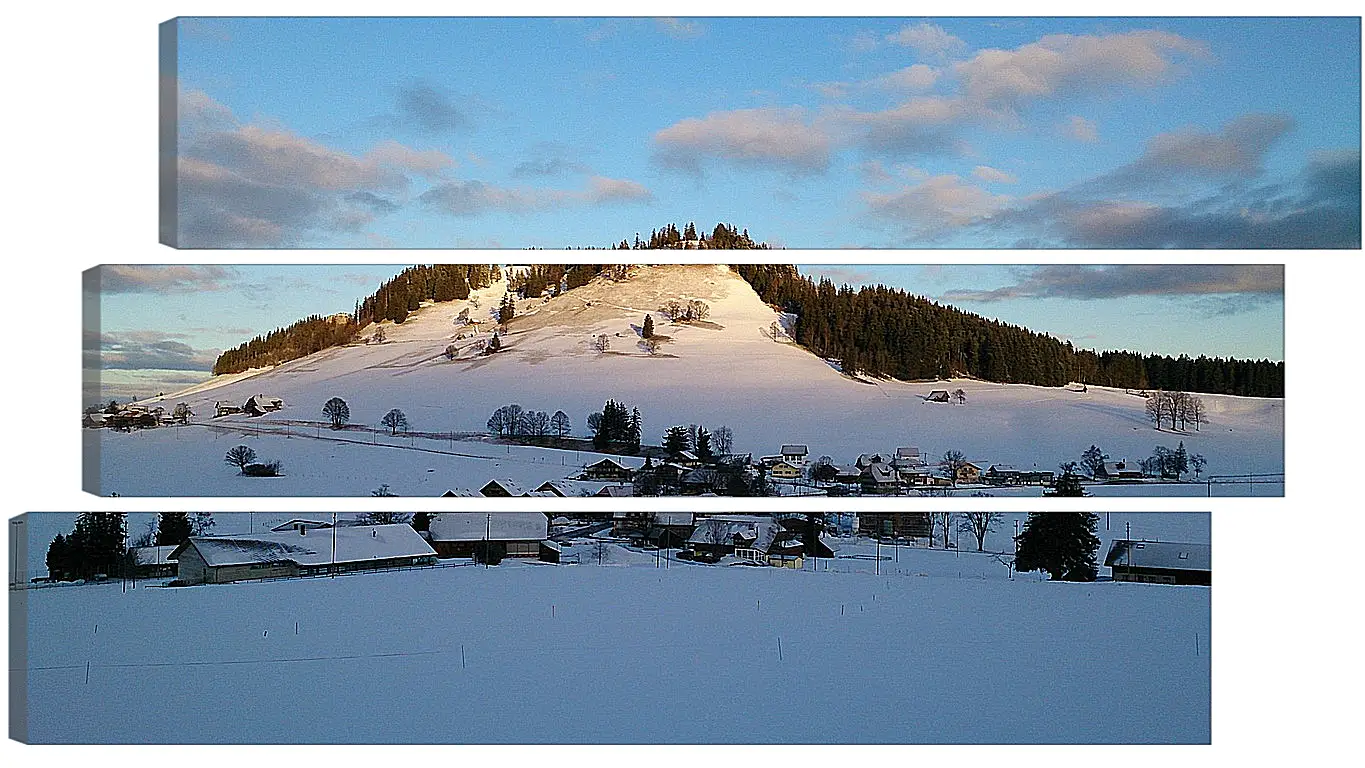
1160 562
297 552
517 534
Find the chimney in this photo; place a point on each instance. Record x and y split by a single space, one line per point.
303 529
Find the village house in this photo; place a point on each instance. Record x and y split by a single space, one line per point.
515 534
703 480
937 396
795 454
616 491
608 470
1004 474
571 489
722 535
909 458
868 459
503 488
1122 470
460 493
968 474
225 408
1160 562
784 470
259 405
153 562
221 559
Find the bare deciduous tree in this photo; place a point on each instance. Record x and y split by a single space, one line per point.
978 524
395 420
953 462
601 342
240 456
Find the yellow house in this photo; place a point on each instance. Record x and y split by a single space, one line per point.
969 473
784 471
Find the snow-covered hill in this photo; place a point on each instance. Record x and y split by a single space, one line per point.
726 370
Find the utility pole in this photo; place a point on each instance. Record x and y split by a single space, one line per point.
333 568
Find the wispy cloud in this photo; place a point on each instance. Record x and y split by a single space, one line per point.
164 278
247 184
680 29
134 350
1098 282
473 197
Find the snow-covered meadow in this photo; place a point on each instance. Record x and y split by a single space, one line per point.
938 647
728 370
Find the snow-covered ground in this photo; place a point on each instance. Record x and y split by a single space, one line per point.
727 370
931 650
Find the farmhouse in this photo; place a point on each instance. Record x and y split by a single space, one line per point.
901 525
571 489
225 408
607 469
726 535
937 396
153 562
516 534
1122 470
1160 562
1004 474
221 559
259 405
502 488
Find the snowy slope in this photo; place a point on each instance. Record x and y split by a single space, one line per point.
725 371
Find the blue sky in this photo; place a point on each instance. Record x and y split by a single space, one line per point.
812 133
162 326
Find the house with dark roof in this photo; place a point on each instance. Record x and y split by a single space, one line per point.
794 454
937 396
1160 562
608 470
502 488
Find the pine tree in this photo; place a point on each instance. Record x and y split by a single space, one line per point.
647 330
676 440
1063 544
172 528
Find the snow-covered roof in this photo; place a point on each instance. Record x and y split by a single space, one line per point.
460 493
494 526
573 488
367 542
761 531
296 522
618 491
1160 554
154 555
673 518
794 450
512 487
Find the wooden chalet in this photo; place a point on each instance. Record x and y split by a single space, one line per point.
1160 562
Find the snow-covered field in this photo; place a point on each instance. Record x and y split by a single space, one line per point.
941 647
725 371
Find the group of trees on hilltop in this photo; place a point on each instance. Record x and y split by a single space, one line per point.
881 331
724 236
533 281
392 301
309 335
424 282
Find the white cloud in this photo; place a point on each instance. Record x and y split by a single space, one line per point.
928 39
935 205
680 29
994 175
914 78
774 137
1062 65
